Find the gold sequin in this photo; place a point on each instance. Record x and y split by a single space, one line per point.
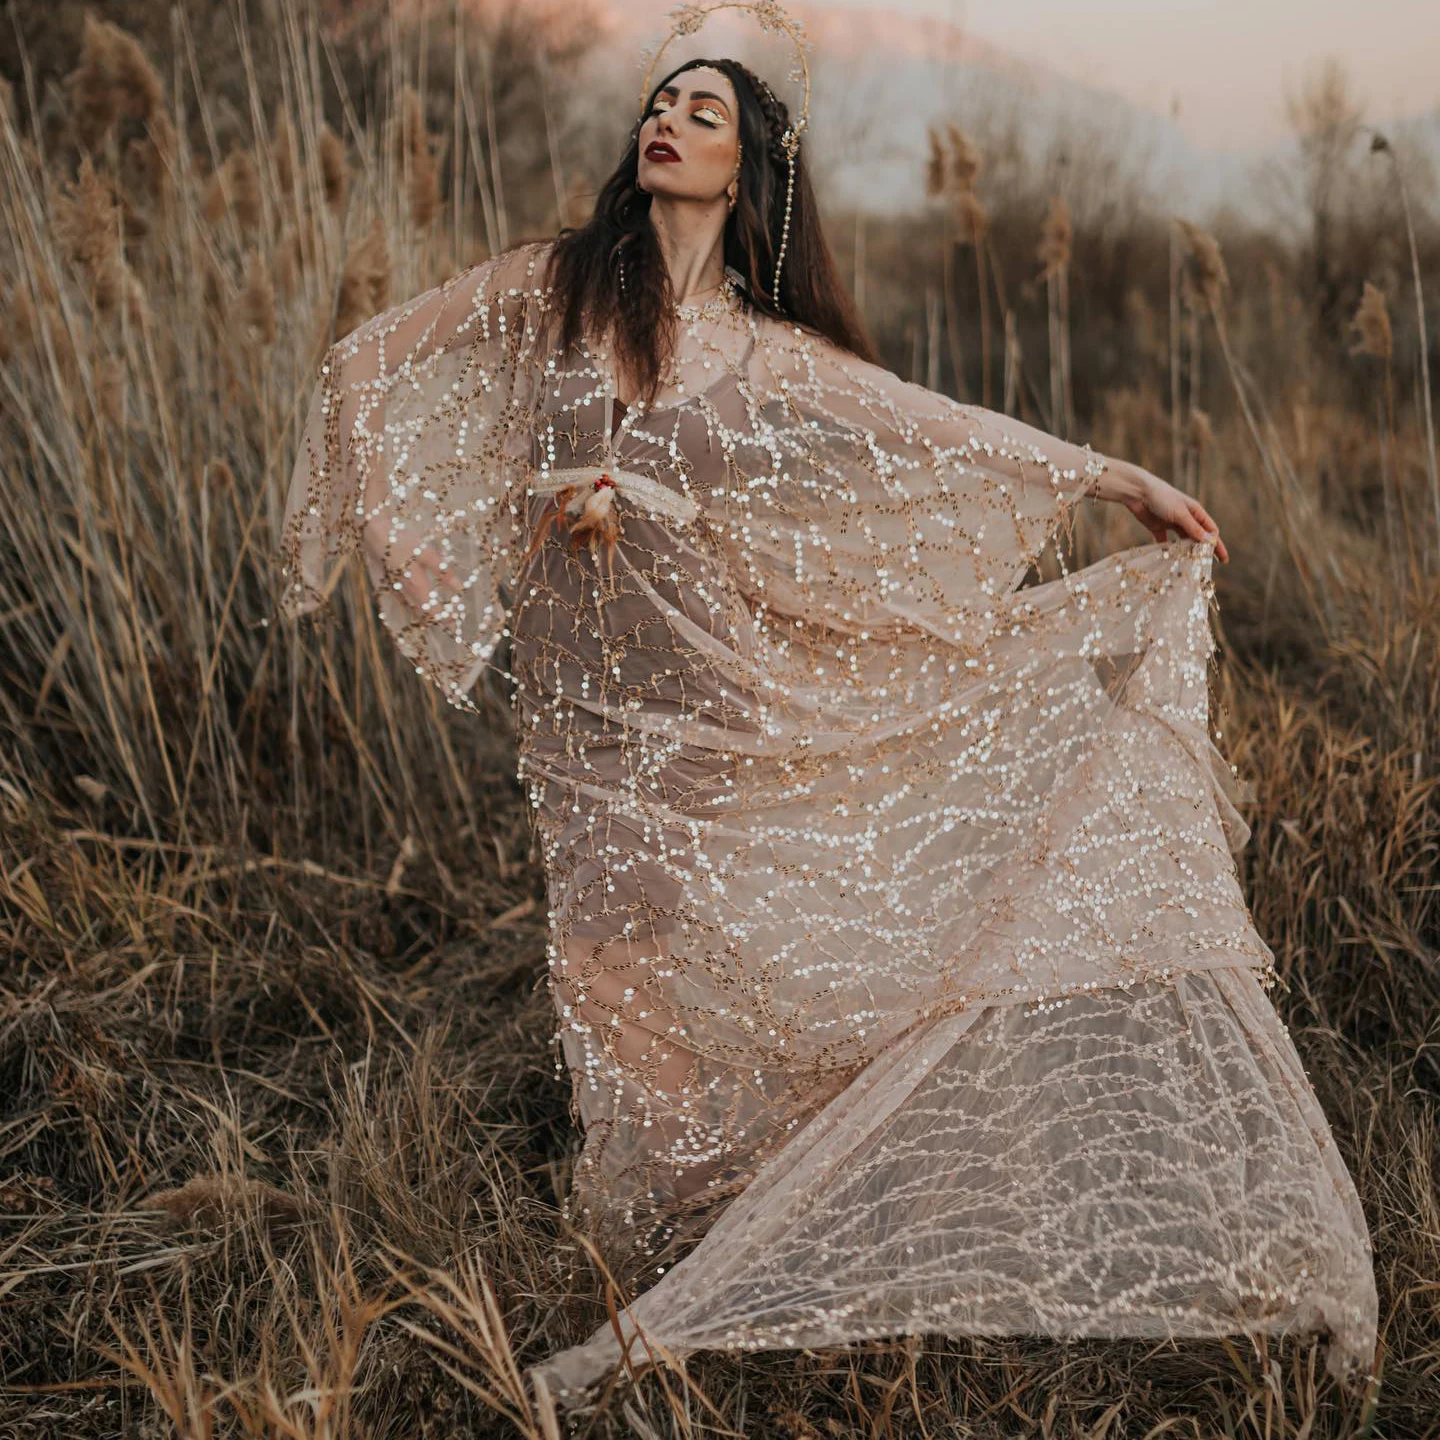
902 973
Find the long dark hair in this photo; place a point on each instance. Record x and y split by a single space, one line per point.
585 264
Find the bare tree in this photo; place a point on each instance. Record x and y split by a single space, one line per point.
1326 118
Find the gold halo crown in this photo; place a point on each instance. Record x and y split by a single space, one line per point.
769 16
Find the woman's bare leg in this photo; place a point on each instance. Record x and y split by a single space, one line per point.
612 987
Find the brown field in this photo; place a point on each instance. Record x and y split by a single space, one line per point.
282 1136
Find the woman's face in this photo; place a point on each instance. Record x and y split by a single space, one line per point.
697 117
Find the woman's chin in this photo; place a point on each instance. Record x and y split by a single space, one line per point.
660 190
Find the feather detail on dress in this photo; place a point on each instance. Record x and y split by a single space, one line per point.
587 513
552 513
595 516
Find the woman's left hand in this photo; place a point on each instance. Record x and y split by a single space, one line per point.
1160 508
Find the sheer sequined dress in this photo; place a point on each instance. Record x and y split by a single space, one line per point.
900 963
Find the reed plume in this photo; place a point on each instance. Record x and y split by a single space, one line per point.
364 282
154 159
1209 264
88 227
1057 237
286 264
113 79
256 310
965 159
935 166
1372 321
952 170
417 160
972 222
1376 339
235 186
334 173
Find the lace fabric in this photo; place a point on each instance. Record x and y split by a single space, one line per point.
1147 1161
901 968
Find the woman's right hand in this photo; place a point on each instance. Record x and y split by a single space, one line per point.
426 576
1160 507
422 572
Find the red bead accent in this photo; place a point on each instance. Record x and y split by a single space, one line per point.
604 480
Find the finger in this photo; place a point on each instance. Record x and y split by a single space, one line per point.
1210 524
1204 517
1211 529
424 577
1189 524
430 558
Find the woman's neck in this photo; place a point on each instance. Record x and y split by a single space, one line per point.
691 236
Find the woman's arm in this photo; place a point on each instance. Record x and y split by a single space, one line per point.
1155 503
415 452
863 392
384 406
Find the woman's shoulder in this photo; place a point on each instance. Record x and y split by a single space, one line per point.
792 349
520 268
510 288
503 294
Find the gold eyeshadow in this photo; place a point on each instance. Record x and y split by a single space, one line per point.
660 100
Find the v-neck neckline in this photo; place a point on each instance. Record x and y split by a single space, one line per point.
614 402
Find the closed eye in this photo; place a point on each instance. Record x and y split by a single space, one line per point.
715 124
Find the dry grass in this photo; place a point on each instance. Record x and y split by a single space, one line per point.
282 1137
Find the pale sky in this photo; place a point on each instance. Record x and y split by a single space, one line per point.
1229 62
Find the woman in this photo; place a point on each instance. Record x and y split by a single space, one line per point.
897 946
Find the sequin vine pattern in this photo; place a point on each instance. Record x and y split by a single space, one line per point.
814 773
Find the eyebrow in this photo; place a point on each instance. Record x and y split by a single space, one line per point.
695 94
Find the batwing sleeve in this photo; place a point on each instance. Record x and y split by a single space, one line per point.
862 500
415 453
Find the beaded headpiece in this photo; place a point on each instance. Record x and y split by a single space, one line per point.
769 16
